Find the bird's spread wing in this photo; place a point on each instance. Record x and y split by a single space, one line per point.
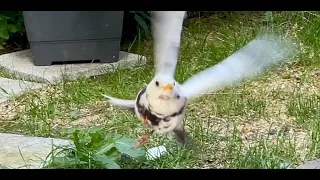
166 28
120 102
252 59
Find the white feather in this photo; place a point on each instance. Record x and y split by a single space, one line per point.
155 152
167 27
120 102
247 62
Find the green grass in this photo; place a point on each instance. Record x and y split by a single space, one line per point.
268 122
5 74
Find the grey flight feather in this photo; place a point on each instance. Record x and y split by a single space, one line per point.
166 28
252 59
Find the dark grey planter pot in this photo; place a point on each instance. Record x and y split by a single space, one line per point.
69 36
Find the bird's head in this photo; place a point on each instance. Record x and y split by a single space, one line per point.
162 87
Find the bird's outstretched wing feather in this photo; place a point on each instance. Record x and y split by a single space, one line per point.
124 103
252 59
166 28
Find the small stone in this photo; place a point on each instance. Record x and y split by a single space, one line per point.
245 131
18 151
273 132
155 152
11 87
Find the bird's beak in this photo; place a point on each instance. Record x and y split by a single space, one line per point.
168 87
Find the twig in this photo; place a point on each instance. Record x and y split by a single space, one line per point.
19 47
11 120
7 111
218 118
220 93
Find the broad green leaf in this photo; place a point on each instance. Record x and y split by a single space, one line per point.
63 162
8 14
125 145
142 23
107 162
20 27
20 20
108 144
96 140
3 29
112 153
3 23
84 138
75 139
1 46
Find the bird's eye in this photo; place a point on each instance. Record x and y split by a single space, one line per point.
157 83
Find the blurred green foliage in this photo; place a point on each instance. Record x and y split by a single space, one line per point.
11 23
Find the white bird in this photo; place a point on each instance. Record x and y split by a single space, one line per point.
161 105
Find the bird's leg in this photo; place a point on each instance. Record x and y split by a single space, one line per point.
143 139
181 134
144 120
184 138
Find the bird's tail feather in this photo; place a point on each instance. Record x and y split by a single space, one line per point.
124 103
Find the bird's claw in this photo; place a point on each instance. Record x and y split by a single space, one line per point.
142 141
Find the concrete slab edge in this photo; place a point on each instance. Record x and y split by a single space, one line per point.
136 61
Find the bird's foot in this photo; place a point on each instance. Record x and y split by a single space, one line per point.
143 139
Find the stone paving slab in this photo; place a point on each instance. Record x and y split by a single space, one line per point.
21 64
9 87
315 164
33 150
